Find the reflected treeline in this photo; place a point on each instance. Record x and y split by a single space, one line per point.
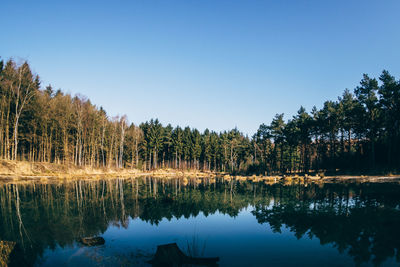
361 220
40 216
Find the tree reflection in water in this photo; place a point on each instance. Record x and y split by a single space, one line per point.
359 219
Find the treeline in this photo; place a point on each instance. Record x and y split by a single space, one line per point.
358 132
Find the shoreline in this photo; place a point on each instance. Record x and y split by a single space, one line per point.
13 171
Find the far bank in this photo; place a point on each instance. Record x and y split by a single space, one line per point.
14 171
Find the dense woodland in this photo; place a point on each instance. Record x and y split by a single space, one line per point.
358 132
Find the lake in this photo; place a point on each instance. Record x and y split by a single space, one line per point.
244 223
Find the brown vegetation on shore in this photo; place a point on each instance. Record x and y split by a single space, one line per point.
22 170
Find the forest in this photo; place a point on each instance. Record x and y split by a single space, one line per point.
357 133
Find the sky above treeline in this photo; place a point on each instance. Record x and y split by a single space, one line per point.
206 64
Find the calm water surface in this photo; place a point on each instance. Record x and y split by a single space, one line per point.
241 222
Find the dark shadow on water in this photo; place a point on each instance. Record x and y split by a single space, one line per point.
170 255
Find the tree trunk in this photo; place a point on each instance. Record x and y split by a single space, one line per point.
14 156
155 158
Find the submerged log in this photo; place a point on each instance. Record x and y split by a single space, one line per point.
171 255
92 241
11 254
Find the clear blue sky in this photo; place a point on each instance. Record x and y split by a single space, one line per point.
207 64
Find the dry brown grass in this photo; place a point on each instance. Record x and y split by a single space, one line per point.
20 170
41 171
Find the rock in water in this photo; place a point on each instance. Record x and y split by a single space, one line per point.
92 241
11 254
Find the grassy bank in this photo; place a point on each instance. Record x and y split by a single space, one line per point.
24 169
15 170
